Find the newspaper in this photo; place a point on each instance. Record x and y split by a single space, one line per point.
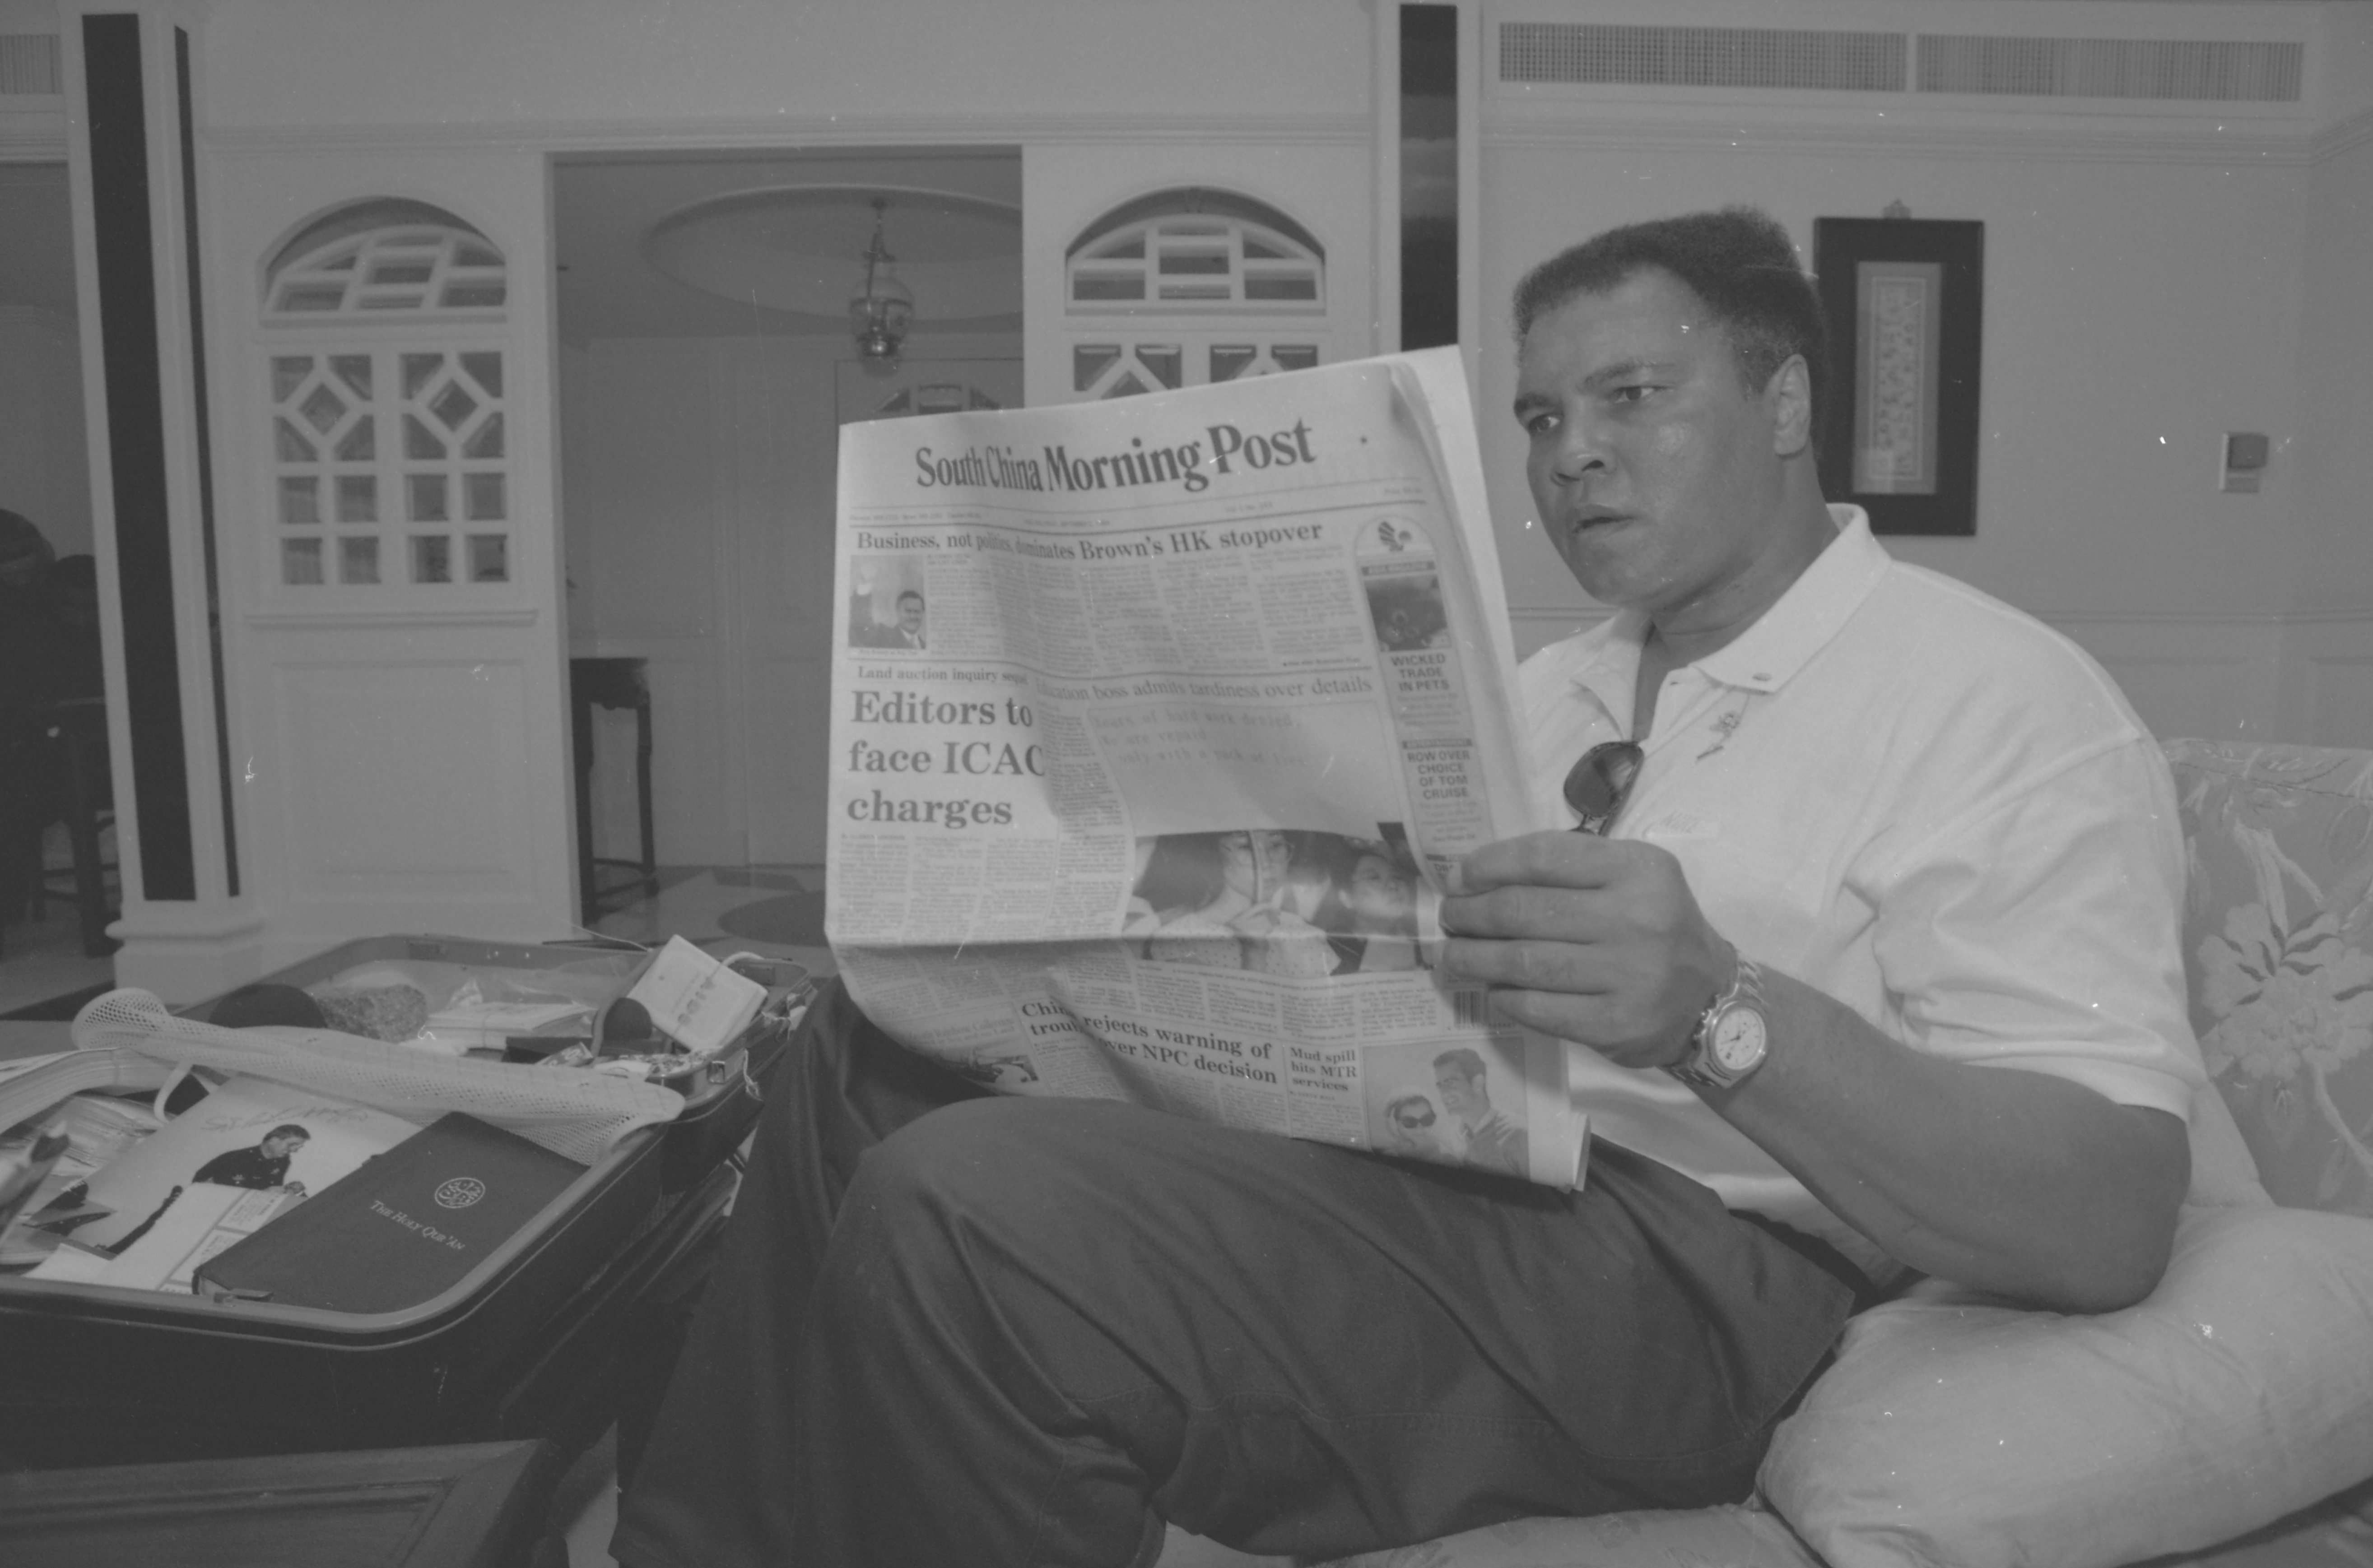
1157 726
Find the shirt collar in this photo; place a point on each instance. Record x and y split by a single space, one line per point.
1814 609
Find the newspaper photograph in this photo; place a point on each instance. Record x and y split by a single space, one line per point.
1157 726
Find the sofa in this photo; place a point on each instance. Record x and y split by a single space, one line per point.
2225 1423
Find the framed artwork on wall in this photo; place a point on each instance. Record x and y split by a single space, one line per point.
1900 437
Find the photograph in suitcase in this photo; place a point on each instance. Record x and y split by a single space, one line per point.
246 1133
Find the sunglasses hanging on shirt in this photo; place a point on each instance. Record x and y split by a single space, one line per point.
1599 782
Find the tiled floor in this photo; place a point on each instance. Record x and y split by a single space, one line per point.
700 904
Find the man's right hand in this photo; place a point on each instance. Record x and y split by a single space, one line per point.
1595 940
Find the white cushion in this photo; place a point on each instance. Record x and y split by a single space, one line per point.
1729 1537
1957 1431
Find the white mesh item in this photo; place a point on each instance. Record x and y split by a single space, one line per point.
574 1113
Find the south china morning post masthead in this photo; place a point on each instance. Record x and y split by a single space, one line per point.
1218 451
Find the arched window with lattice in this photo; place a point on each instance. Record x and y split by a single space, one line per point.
1188 286
384 370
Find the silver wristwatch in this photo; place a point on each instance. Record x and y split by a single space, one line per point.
1732 1037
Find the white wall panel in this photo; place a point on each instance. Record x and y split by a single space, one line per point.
2340 700
2331 671
2212 679
2332 466
370 823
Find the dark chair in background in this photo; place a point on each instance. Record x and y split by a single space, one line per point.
53 762
70 742
53 768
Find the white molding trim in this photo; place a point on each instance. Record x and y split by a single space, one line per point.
186 953
40 317
35 133
389 619
2199 616
2345 136
1591 614
802 131
1564 127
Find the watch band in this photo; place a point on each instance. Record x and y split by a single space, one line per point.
1700 1069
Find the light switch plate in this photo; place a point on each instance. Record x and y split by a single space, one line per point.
2246 454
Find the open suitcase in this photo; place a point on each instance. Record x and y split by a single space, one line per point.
537 1339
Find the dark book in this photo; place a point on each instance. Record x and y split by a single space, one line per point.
402 1228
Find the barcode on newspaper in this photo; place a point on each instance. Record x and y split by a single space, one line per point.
1467 1006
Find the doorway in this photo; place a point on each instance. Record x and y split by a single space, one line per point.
706 362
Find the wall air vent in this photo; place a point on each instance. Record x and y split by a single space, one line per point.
28 64
1606 54
2110 67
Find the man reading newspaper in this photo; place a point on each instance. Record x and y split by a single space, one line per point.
1876 972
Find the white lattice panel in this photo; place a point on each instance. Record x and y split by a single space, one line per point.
1618 54
2169 69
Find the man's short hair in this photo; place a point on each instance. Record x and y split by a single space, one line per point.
287 1130
915 594
1465 1060
1739 261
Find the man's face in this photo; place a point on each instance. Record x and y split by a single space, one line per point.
1655 470
281 1145
1461 1095
911 612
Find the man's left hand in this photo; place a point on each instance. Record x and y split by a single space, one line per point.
1589 939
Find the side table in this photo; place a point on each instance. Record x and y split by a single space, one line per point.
611 684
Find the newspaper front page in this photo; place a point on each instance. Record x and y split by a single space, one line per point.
1157 725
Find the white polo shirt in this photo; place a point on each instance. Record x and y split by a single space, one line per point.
1912 797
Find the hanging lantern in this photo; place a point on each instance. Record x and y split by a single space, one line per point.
879 317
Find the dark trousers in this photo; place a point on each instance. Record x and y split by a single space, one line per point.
952 1328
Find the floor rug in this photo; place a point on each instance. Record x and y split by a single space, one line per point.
776 881
791 920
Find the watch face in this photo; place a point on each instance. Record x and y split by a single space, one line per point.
1737 1041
